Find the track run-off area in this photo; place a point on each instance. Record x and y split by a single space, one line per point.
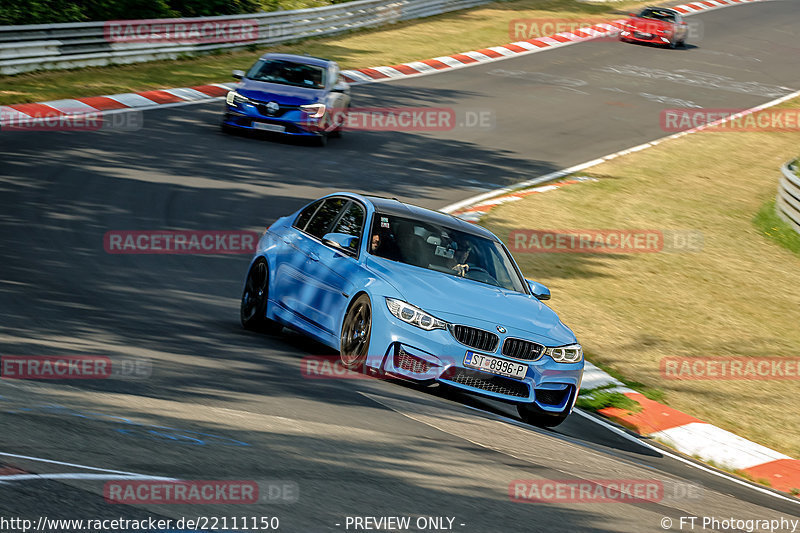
222 403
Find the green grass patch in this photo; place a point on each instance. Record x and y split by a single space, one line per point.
771 226
649 392
597 399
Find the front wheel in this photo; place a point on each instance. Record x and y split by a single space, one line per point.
530 414
253 308
356 333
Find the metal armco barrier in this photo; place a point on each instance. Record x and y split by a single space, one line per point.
788 201
81 44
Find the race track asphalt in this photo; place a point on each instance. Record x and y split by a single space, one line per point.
223 403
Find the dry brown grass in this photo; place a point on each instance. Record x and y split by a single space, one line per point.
740 296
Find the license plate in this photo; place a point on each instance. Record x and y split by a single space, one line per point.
495 365
269 127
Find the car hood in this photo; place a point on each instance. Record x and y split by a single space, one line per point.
450 297
649 25
276 92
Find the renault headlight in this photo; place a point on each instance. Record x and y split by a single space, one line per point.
414 315
314 110
235 98
572 353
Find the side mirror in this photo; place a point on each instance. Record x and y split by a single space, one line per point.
238 74
540 291
341 241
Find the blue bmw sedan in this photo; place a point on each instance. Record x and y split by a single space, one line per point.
289 94
417 294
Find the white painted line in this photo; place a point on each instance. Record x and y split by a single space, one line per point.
95 477
420 66
583 166
70 106
186 93
356 75
550 41
50 461
477 56
449 61
132 100
694 464
389 71
502 50
526 45
723 447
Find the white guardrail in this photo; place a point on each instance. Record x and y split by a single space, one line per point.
788 201
81 44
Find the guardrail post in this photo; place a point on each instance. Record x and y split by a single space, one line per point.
787 203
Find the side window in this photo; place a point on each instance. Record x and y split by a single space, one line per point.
305 215
324 217
351 223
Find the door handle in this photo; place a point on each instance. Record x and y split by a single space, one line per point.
313 256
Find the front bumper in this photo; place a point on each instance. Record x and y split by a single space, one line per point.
408 352
652 38
294 122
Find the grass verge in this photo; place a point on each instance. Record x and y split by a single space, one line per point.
735 298
399 43
597 399
775 228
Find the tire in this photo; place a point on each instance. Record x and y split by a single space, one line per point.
530 414
681 44
253 306
356 333
225 128
322 140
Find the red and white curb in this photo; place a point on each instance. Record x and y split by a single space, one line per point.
56 110
20 114
515 49
679 430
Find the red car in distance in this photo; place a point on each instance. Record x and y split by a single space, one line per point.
655 25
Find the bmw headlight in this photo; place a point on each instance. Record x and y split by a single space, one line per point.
414 315
572 353
314 110
234 97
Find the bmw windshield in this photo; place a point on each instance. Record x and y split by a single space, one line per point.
443 249
288 73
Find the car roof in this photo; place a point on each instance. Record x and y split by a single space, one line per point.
304 60
393 206
656 8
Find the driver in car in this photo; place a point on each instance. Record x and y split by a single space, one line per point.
460 258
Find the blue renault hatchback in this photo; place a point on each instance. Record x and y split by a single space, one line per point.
404 291
289 94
